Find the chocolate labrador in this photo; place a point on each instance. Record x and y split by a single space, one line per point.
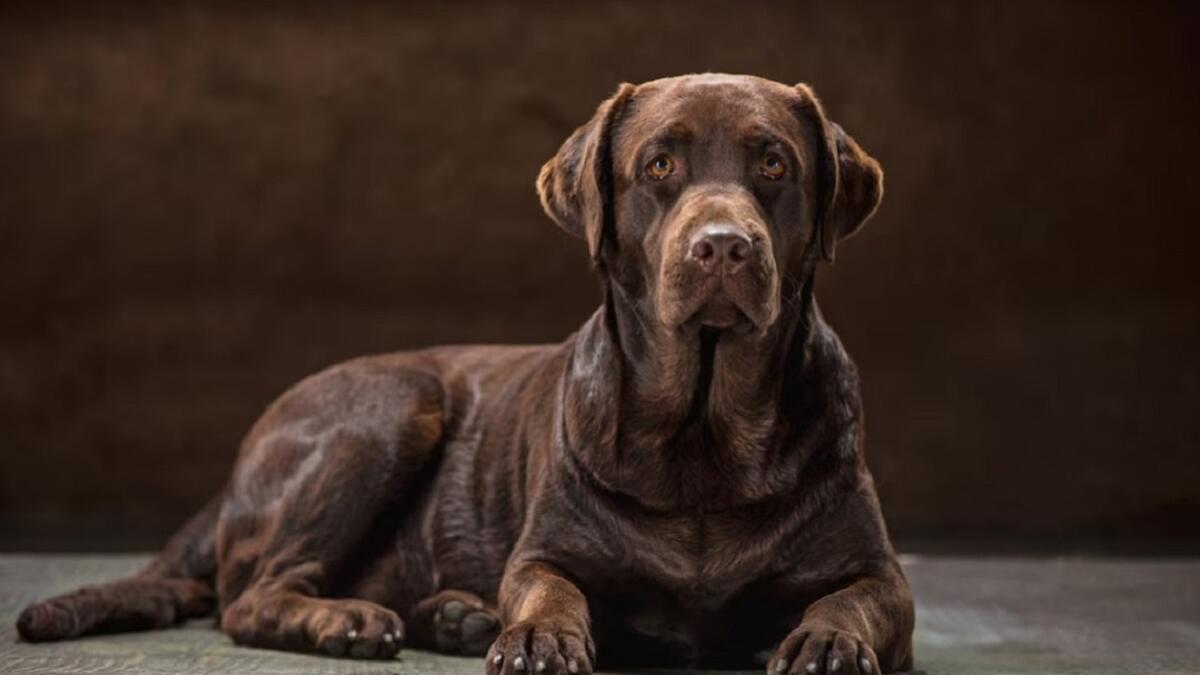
679 483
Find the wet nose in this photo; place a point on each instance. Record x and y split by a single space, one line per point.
720 247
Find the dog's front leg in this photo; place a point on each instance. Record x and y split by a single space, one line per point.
864 628
546 624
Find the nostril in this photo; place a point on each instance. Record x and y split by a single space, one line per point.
703 250
739 250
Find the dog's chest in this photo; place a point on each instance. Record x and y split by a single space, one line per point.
684 585
678 599
674 581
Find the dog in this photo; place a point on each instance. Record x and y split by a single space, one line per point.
679 483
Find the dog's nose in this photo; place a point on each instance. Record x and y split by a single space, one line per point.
720 246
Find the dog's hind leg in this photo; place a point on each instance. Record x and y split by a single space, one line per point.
327 465
177 585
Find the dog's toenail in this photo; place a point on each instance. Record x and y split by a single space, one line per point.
811 667
539 666
573 666
387 637
399 633
835 664
781 666
351 634
519 663
497 659
865 665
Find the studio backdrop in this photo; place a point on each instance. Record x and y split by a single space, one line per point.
202 203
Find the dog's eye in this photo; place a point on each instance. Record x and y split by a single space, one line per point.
772 166
660 167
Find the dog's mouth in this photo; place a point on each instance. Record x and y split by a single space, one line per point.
743 304
720 312
731 308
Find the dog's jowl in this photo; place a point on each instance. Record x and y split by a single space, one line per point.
679 483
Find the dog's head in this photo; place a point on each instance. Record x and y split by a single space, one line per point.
700 195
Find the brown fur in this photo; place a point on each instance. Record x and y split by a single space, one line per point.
681 482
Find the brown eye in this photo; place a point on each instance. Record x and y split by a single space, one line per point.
772 166
660 167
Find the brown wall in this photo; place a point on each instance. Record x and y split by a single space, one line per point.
199 204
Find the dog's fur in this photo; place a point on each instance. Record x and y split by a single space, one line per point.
681 482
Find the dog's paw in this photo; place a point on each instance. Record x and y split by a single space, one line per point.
358 629
540 648
456 622
820 650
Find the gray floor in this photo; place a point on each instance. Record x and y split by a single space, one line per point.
991 616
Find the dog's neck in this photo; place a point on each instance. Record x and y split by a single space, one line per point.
683 418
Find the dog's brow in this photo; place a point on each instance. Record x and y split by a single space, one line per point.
757 137
666 138
674 132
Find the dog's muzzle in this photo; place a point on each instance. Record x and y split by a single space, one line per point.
718 269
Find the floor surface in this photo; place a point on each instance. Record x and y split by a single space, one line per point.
975 616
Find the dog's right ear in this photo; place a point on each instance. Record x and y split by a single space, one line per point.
576 184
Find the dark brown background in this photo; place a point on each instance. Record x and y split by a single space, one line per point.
200 204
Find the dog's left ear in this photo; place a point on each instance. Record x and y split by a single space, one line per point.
849 181
576 184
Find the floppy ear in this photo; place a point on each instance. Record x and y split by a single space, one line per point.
849 181
576 184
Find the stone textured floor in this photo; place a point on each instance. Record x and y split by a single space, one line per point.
975 616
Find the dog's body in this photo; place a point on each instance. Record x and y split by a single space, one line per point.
680 482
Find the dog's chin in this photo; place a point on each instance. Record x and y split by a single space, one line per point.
719 311
722 314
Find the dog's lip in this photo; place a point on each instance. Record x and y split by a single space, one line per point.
715 306
722 313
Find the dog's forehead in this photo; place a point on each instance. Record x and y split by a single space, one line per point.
709 106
